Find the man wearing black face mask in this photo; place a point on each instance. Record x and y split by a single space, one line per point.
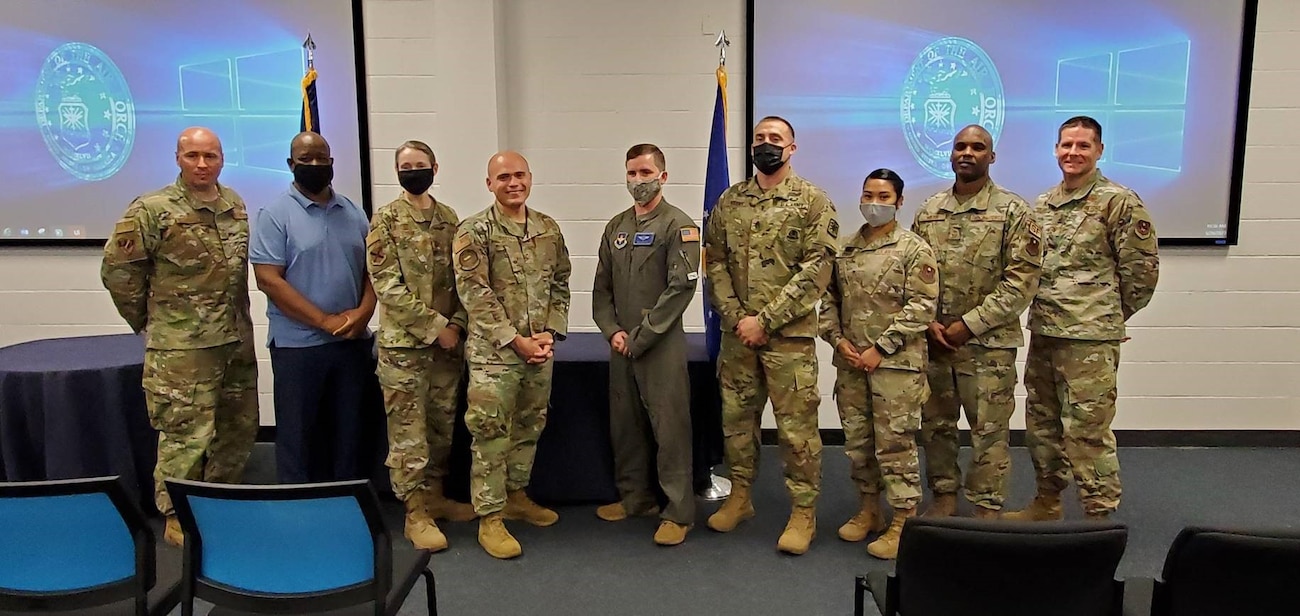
309 257
769 246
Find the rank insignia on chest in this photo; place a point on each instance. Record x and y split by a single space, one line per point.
793 235
643 239
621 240
954 234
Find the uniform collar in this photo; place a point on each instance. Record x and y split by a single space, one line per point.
653 213
418 213
222 204
1059 196
531 227
786 189
978 201
859 241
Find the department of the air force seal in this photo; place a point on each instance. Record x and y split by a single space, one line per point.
85 112
952 83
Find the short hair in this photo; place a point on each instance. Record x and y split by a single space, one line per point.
415 145
1082 120
780 119
641 149
887 175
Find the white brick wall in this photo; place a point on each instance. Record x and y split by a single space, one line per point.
573 83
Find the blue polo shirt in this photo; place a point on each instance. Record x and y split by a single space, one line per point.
323 252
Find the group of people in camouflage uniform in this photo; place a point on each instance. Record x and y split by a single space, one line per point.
923 322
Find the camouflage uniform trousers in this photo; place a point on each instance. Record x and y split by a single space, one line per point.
203 403
881 413
506 415
787 368
1071 404
981 381
420 394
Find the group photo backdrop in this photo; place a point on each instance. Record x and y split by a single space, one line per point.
94 92
879 84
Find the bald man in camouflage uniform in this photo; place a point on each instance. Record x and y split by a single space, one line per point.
1100 267
512 273
421 359
176 267
990 251
769 245
875 312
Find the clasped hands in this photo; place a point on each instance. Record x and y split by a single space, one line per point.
535 349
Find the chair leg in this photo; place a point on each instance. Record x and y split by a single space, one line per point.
430 591
859 595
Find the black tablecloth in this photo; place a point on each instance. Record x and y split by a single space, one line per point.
73 407
575 463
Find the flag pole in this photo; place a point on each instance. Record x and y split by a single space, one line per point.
718 488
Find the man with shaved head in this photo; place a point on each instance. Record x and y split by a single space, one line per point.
989 248
309 257
512 275
176 267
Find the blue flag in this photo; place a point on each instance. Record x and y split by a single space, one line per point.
716 181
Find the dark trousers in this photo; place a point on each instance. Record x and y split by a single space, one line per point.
319 397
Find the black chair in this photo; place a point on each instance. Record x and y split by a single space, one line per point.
1218 571
293 549
957 566
83 545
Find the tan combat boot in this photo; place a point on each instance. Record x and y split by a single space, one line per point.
420 527
944 506
886 547
984 513
172 533
799 531
615 512
495 539
520 507
868 520
1045 508
671 533
441 507
737 509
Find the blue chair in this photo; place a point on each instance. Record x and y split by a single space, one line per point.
84 545
292 549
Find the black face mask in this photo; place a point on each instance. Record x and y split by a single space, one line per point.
415 181
767 157
313 178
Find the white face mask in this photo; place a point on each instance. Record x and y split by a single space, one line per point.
878 214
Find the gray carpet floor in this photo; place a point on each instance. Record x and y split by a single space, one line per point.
584 566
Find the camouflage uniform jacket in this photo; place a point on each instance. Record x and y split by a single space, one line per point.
1101 264
177 269
990 254
410 267
882 294
769 254
513 280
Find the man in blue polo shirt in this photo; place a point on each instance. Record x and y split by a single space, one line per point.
309 257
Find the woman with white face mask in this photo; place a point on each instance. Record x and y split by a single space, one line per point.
880 301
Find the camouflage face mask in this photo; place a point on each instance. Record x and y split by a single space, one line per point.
643 192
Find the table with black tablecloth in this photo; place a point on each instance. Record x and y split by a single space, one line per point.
73 407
